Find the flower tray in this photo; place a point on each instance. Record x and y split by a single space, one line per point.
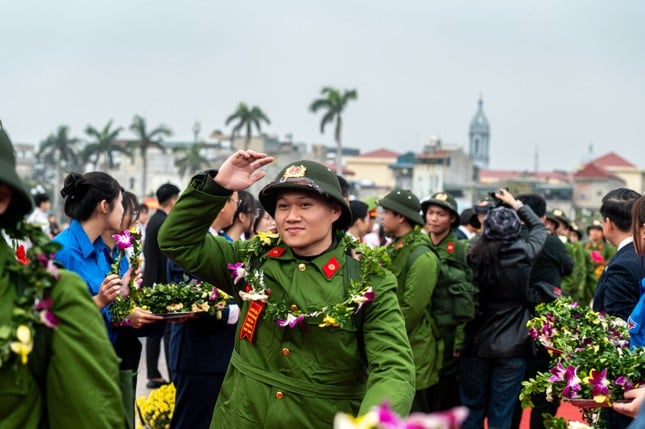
183 314
590 403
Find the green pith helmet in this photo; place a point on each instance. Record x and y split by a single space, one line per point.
307 176
443 200
559 216
403 202
576 228
21 202
596 224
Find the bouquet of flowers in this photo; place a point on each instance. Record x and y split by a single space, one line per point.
155 411
382 417
592 365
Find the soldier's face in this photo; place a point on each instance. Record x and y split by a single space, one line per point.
438 220
304 221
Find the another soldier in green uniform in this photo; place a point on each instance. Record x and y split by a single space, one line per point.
416 268
308 344
573 284
60 373
441 217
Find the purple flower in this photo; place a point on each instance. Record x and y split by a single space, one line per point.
599 383
123 240
363 299
572 383
214 295
534 333
625 382
547 330
238 272
291 321
47 318
557 373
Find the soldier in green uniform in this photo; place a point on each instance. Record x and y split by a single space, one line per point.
63 376
303 350
574 283
416 268
441 217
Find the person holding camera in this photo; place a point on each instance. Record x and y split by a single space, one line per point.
493 359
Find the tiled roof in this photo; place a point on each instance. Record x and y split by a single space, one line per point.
612 159
593 171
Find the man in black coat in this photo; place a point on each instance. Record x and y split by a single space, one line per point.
154 271
618 288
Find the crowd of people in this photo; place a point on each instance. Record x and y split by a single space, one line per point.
314 328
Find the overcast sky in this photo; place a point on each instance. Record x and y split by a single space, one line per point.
559 75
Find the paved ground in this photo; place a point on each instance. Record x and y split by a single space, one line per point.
142 378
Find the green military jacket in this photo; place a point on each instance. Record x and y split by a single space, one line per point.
453 338
574 283
416 283
81 387
290 377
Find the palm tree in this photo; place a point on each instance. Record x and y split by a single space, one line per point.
333 103
193 161
104 144
59 149
146 140
247 118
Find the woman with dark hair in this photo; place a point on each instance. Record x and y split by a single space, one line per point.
263 222
496 341
244 217
94 203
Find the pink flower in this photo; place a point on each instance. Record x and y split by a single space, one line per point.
214 295
123 240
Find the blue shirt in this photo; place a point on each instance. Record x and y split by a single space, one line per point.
86 259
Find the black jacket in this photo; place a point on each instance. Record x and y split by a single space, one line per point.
500 329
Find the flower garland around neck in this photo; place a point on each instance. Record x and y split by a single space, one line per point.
359 293
33 274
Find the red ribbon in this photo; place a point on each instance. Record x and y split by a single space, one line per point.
250 320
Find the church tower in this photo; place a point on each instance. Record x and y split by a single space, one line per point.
479 136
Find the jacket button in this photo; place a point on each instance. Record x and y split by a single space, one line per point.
285 351
279 395
302 267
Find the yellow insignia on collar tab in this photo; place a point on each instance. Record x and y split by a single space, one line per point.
557 212
295 171
441 197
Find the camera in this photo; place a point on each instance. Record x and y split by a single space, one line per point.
496 201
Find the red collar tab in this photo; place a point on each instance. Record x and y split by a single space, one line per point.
331 267
276 252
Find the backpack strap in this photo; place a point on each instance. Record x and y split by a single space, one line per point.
418 251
